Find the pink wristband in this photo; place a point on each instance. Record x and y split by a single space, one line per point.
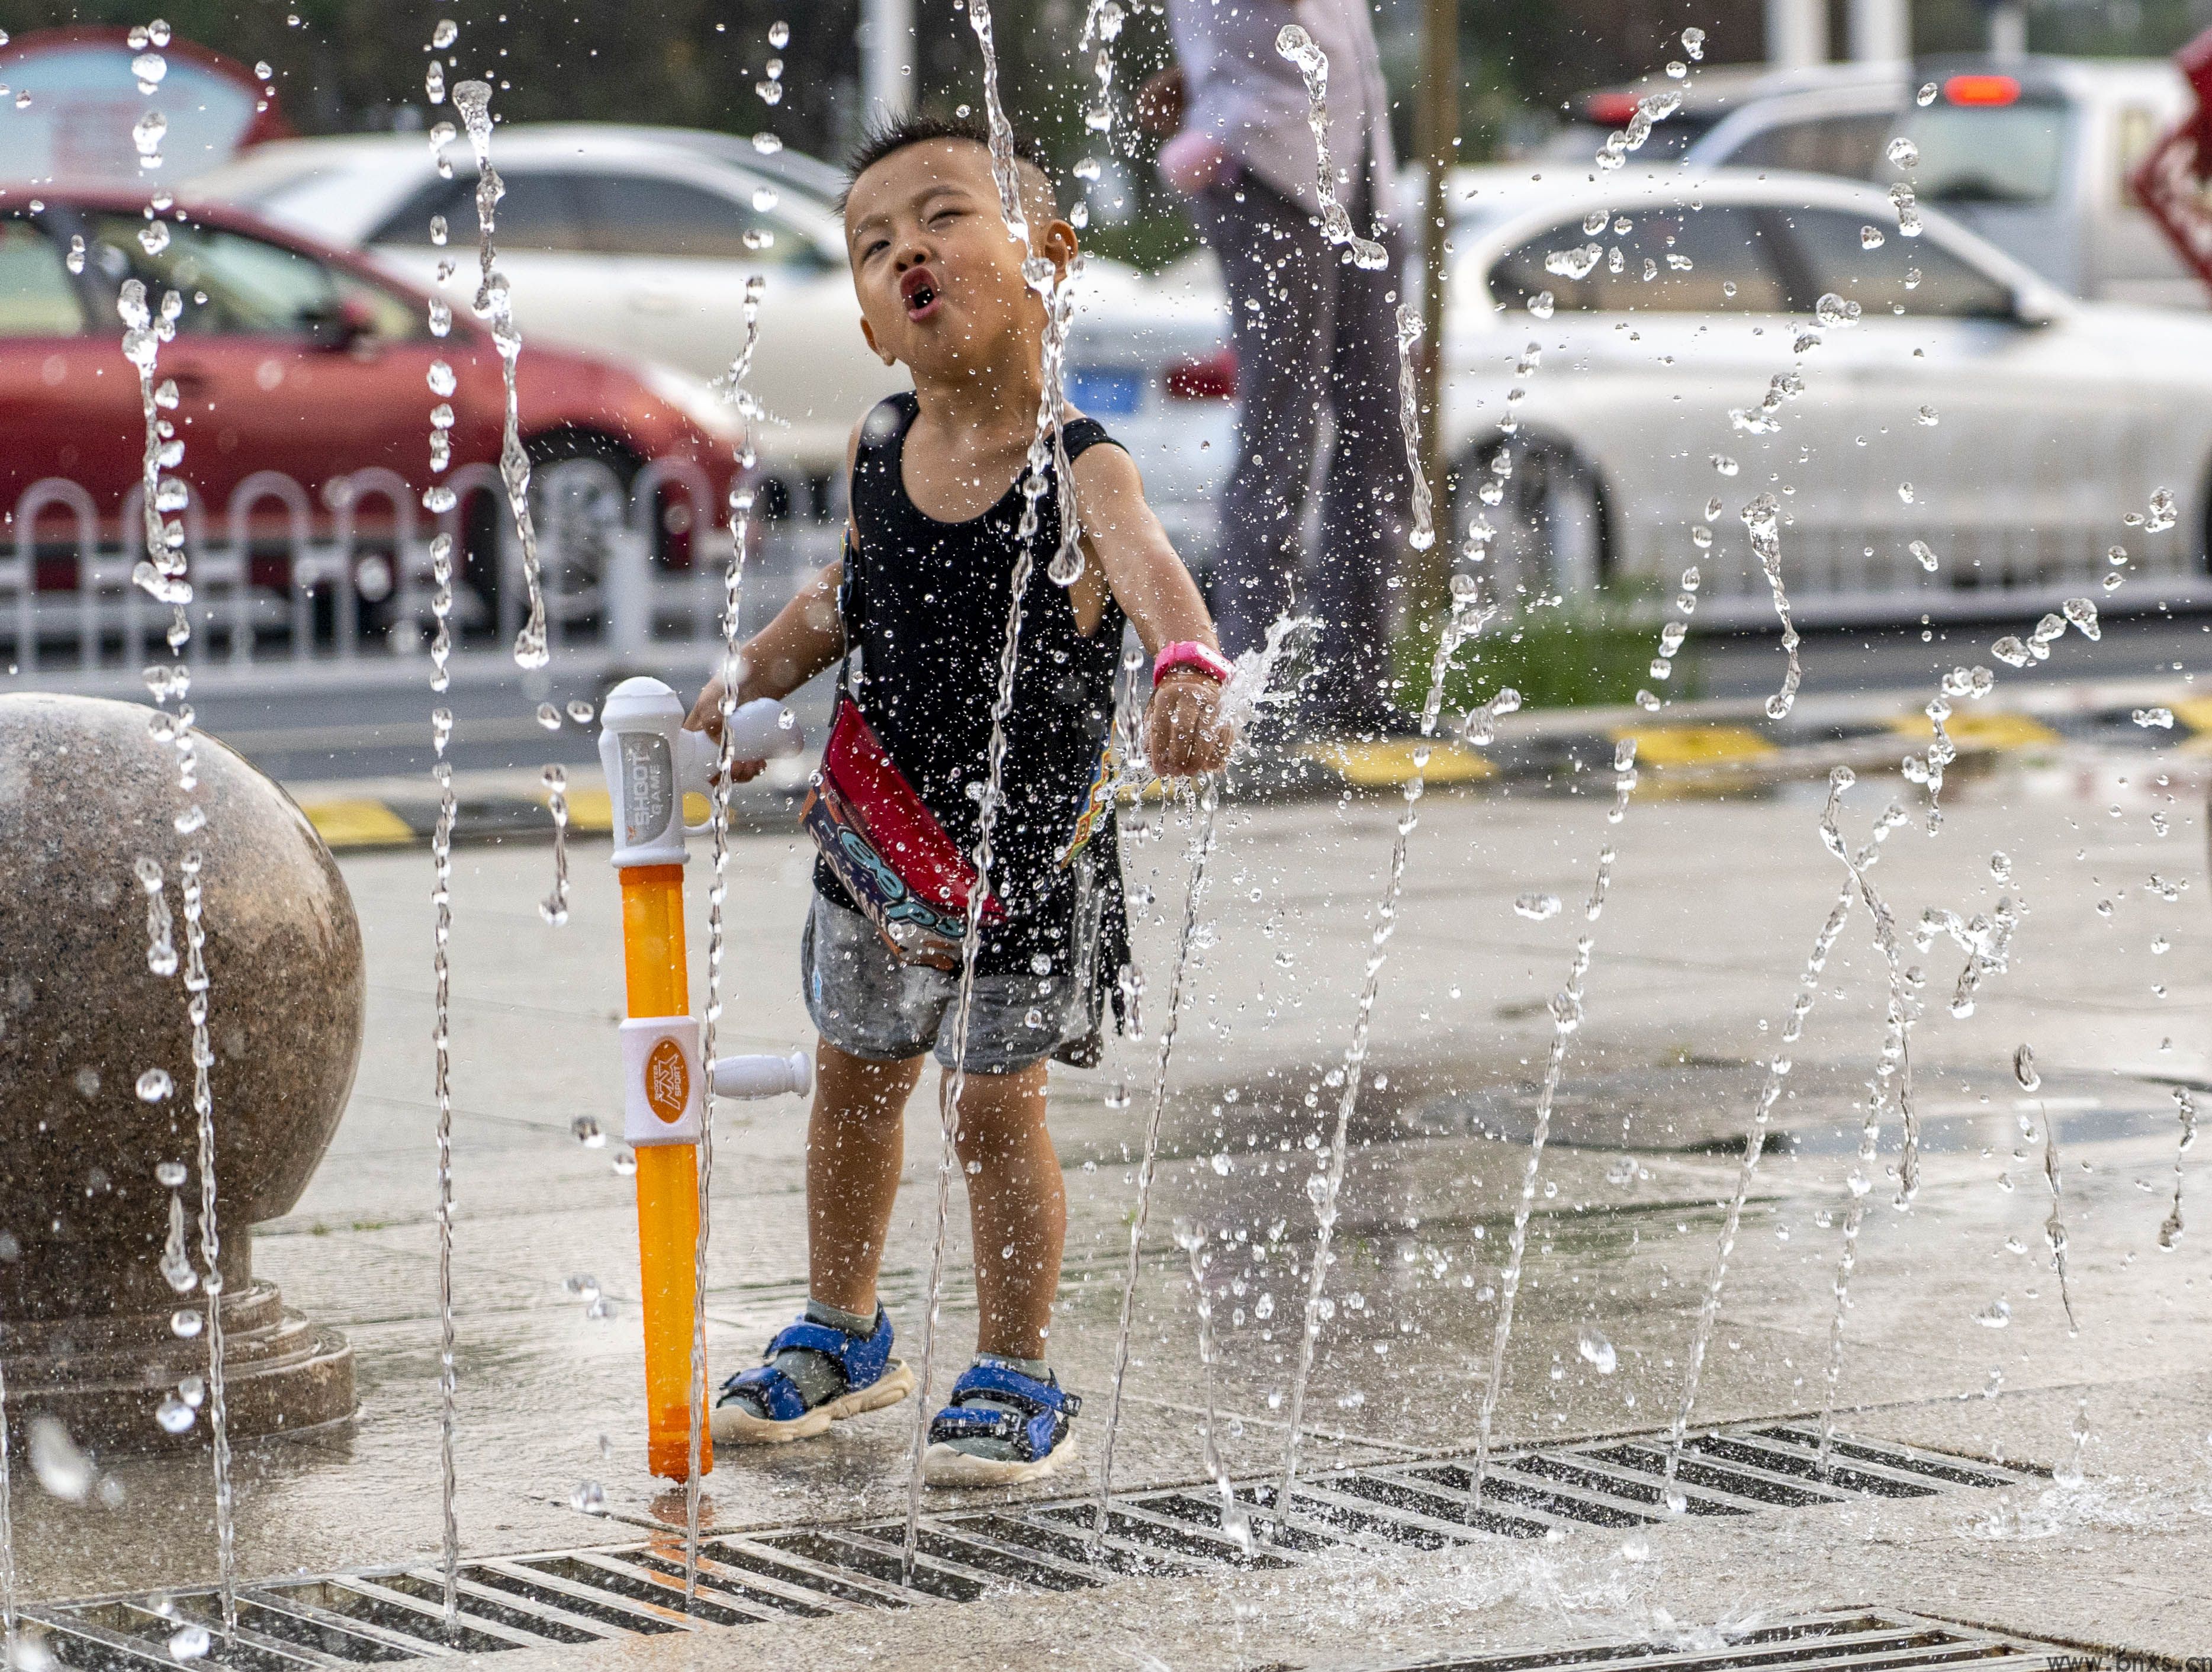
1190 653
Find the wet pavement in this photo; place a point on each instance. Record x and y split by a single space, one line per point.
1714 904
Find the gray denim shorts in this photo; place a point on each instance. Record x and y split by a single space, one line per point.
869 1004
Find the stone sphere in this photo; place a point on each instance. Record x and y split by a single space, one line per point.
86 791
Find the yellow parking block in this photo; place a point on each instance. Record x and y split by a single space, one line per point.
2000 729
1696 745
591 811
2194 712
357 823
1390 762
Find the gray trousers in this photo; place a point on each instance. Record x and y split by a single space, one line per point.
1310 329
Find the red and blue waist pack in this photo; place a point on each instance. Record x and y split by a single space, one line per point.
887 848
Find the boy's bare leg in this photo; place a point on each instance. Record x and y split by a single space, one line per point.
1016 1207
855 1146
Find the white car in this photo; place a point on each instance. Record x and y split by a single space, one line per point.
639 241
2034 154
1972 408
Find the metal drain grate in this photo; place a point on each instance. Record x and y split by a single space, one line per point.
583 1596
1855 1640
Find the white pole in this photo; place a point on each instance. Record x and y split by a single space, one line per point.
1796 33
1881 31
2008 30
887 58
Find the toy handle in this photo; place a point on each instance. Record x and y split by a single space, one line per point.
760 730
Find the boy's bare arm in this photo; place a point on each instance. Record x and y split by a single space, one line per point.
806 637
1183 733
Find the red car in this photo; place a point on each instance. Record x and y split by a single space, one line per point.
298 358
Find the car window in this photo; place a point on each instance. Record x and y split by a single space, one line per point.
1968 154
1828 250
1670 260
538 211
2010 154
237 285
648 215
37 298
1851 146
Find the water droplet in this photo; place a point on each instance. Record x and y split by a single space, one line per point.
1926 95
150 68
2159 717
586 1127
778 34
1903 152
441 378
1870 238
1927 417
589 1498
1925 553
188 1642
1724 465
1599 1352
1833 311
61 1469
186 1322
583 1286
2083 614
1904 492
1636 1549
1996 1315
549 716
154 1084
1537 907
170 1175
1693 43
766 144
445 34
2023 1068
625 1162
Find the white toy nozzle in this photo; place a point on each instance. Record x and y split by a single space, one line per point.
651 762
764 1076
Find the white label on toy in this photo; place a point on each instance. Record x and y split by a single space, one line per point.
662 1084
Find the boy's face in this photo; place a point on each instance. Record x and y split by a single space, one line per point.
939 280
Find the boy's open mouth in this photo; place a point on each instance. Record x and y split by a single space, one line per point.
919 290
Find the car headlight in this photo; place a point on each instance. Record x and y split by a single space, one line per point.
698 401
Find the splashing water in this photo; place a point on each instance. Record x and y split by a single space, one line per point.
1101 25
1201 850
196 987
441 900
553 907
1423 534
160 946
2054 1227
1763 517
1893 1071
1777 1070
1567 1009
1903 1008
1466 618
1048 446
1236 1520
161 574
955 1084
494 307
1067 564
733 678
2169 1232
1651 109
1294 44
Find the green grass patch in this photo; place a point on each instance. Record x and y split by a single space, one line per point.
1592 651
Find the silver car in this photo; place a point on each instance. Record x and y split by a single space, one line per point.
1972 412
2034 154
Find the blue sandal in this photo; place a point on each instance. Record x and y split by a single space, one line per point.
872 1379
1020 1429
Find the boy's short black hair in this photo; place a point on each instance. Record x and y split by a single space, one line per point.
888 137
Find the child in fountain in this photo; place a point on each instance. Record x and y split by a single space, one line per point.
918 604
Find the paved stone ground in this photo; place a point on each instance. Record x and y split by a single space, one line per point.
1714 903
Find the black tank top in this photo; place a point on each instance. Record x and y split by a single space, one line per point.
925 607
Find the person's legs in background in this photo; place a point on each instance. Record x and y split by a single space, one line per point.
1277 269
1363 501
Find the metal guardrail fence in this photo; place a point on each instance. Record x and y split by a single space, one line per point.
284 577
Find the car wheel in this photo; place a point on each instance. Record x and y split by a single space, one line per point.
1551 531
580 489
